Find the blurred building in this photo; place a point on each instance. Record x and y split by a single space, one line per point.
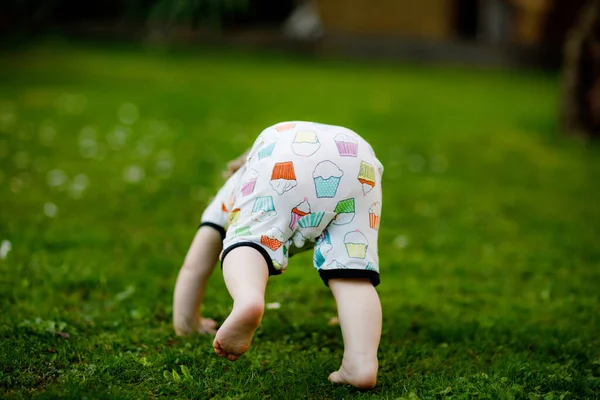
471 31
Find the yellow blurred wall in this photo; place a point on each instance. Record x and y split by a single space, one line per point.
427 19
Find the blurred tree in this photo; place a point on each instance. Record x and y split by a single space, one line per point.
31 16
581 75
191 13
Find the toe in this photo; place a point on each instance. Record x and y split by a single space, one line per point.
335 377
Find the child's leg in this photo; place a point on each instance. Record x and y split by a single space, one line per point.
246 273
359 311
191 283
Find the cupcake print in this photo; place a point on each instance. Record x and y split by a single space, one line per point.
375 215
273 239
311 220
322 248
285 127
344 212
347 145
283 177
356 244
366 176
327 178
301 210
263 208
243 231
249 182
266 150
305 144
234 216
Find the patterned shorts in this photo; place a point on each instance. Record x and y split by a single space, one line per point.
305 186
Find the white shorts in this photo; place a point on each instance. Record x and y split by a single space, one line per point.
305 185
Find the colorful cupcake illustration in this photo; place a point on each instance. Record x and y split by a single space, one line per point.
327 178
375 215
285 127
344 212
299 239
306 143
283 177
322 248
243 231
335 264
301 210
273 239
249 182
263 208
266 149
356 244
366 176
224 207
234 216
347 145
277 265
311 220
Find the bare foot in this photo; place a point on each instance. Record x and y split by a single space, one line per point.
361 374
202 326
207 326
234 336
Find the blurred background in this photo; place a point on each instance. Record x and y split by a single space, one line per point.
117 118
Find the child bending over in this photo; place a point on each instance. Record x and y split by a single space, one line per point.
302 185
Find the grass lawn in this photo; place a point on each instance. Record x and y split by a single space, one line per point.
489 244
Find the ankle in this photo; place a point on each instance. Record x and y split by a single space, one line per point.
361 370
250 305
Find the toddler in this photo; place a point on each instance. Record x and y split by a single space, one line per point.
302 185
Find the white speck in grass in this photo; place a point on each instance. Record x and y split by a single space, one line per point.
128 113
273 306
50 210
78 185
164 168
88 147
401 241
144 148
5 248
3 149
21 160
47 133
117 138
416 163
133 174
56 178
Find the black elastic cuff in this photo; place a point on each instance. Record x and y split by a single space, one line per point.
219 228
328 274
261 250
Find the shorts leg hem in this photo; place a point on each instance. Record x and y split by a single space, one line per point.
219 228
328 274
259 248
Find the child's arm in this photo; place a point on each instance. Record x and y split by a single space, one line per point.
201 259
234 165
191 283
